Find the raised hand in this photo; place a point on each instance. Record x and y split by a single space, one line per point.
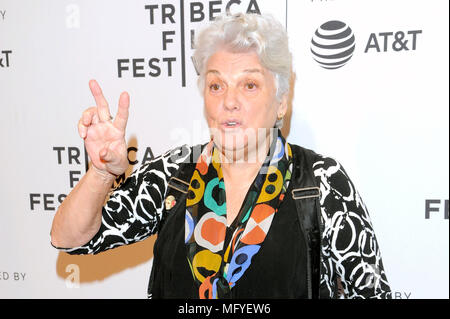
104 138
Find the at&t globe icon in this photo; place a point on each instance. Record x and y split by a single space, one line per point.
333 44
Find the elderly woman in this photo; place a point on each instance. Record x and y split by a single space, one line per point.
246 215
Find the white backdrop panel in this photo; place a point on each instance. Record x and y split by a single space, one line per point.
383 115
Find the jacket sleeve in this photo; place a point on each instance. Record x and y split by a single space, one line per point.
134 209
350 239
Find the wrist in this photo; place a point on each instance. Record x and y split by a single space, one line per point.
105 176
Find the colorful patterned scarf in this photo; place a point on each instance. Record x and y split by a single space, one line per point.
217 270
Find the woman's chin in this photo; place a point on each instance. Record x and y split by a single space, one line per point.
230 147
235 143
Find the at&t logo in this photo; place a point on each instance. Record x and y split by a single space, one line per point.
5 58
333 44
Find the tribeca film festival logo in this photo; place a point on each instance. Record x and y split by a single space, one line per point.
175 18
333 43
77 157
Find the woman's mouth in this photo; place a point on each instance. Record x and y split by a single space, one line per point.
231 124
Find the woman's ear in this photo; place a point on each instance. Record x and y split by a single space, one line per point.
282 107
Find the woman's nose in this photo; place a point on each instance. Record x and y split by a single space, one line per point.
231 101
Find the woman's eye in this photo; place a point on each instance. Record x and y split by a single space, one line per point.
251 86
214 87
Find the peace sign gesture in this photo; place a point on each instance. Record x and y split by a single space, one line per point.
104 138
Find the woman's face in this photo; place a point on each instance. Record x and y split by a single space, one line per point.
240 101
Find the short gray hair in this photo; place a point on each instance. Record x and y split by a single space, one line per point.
246 32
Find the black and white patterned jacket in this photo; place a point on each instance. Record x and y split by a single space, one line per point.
349 248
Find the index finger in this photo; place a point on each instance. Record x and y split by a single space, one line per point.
102 105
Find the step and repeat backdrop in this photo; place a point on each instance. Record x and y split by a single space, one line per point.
380 106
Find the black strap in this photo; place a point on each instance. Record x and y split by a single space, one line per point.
176 192
178 184
306 195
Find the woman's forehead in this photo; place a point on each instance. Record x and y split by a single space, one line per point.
226 61
245 71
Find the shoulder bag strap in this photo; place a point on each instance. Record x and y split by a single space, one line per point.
306 195
175 196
